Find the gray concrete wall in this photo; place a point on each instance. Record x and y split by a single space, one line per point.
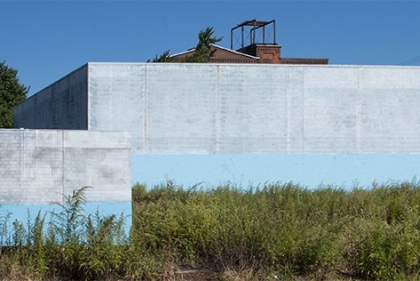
331 123
225 108
210 108
39 166
62 105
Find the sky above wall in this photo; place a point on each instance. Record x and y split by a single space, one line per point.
45 40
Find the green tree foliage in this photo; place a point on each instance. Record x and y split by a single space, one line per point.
202 52
164 57
11 93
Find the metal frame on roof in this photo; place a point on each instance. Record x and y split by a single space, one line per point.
254 24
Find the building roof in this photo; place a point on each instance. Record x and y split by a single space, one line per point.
265 51
192 50
255 53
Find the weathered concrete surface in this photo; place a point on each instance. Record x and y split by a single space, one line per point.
210 108
190 108
311 124
40 166
62 105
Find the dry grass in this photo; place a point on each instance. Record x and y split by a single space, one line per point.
274 232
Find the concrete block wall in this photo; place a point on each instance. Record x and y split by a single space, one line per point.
208 108
38 167
213 123
62 105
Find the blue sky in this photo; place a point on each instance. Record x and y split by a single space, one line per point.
45 40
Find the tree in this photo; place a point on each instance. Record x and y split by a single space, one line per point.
205 41
164 57
11 93
202 51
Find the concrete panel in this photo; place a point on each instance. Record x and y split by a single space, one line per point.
181 108
106 170
228 108
224 108
62 105
210 108
117 99
11 163
390 121
331 77
245 102
39 166
389 77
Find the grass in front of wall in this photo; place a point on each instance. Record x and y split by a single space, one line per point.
272 232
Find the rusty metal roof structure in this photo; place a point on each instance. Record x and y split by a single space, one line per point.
249 29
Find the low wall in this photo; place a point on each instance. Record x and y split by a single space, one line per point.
39 167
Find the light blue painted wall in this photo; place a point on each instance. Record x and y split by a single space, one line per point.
25 213
20 212
243 170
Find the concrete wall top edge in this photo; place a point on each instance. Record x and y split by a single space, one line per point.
332 153
81 68
60 130
75 138
254 65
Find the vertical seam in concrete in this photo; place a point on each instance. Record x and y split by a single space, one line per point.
63 167
110 92
303 111
288 113
87 97
23 161
145 102
218 115
358 112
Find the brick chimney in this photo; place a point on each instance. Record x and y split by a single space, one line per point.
265 47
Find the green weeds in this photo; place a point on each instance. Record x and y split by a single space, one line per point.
271 232
285 230
65 245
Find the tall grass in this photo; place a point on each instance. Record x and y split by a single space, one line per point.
284 229
270 232
68 244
